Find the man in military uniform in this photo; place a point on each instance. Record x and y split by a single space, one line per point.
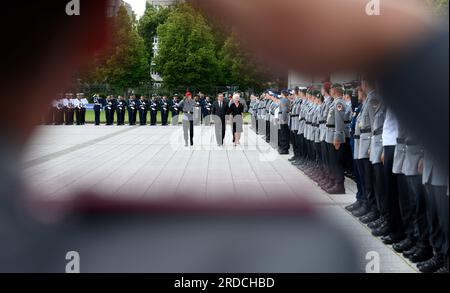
175 109
132 110
164 105
267 116
98 105
121 109
109 111
70 109
324 148
143 110
82 104
262 115
336 121
153 110
252 111
206 112
188 105
77 109
293 124
283 118
301 129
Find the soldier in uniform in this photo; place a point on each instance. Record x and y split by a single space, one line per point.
132 110
98 105
267 116
70 110
301 129
164 105
317 171
324 149
121 109
348 156
188 105
77 108
206 113
82 105
283 118
253 103
293 125
109 111
336 121
175 109
153 110
143 110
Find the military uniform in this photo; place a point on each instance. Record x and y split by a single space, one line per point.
283 120
132 111
197 112
188 107
153 111
120 109
164 105
294 122
98 105
109 112
143 110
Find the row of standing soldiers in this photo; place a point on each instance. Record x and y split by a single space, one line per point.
402 189
64 110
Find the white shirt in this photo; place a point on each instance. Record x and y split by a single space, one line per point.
390 129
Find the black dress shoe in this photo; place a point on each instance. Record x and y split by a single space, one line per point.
382 230
409 252
376 223
371 216
353 206
403 245
443 270
387 240
292 159
361 211
432 265
422 254
337 189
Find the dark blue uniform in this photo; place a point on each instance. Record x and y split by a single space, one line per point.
164 104
153 111
132 111
98 105
143 110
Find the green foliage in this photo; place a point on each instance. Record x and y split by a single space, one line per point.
440 6
148 25
124 65
187 54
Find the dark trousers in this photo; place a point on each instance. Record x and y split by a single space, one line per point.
188 130
132 116
284 138
359 182
267 131
336 162
143 117
325 157
317 148
379 189
153 115
164 117
220 127
434 198
348 157
97 115
120 117
417 191
366 167
392 195
407 207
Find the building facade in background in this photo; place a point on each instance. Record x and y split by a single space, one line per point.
114 5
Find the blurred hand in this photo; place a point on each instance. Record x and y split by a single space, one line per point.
420 166
382 158
337 145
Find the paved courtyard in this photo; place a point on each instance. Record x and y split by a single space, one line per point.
147 162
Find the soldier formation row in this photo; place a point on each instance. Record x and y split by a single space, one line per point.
336 131
68 110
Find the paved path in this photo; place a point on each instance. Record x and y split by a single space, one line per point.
143 162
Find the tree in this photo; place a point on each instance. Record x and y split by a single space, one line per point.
148 24
440 6
187 54
124 64
239 68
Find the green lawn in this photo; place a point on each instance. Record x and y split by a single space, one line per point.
90 117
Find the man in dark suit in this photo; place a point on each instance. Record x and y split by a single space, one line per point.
219 111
